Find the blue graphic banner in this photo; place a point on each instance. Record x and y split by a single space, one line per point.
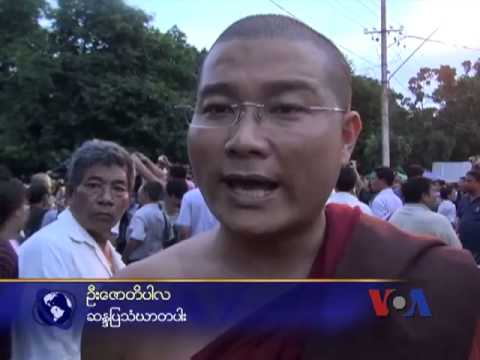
327 306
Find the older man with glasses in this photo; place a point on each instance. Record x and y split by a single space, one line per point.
77 245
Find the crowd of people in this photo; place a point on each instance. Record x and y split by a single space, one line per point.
165 206
115 208
266 171
418 205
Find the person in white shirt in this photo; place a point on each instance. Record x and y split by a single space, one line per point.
386 202
149 228
344 190
416 216
77 245
195 216
447 207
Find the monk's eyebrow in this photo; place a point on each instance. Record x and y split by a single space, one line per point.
220 88
279 87
269 89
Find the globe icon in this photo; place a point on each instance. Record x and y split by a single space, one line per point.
54 308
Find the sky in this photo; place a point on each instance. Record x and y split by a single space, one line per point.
345 22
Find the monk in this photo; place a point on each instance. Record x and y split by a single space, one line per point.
271 129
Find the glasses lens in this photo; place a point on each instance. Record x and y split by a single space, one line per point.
215 116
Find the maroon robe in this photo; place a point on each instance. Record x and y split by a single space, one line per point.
359 246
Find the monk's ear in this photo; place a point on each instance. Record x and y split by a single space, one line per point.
351 128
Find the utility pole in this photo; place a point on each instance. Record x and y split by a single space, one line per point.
384 100
385 120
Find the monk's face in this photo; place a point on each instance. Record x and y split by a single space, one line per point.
268 174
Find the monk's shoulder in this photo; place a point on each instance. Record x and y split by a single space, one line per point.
379 249
424 258
178 261
452 267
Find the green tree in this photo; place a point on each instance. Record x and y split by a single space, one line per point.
366 94
105 72
24 63
447 130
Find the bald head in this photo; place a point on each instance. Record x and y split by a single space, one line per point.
283 27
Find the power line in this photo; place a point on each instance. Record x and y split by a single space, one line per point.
374 33
415 64
375 3
343 13
440 42
397 59
283 9
374 12
359 56
402 86
339 45
414 51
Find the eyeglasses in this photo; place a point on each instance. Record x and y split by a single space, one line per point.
96 189
276 114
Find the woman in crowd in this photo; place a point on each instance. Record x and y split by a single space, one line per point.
13 215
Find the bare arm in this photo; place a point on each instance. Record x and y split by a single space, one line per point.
152 168
142 169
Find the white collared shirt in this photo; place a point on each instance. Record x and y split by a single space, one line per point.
62 249
418 219
341 197
195 213
385 204
448 209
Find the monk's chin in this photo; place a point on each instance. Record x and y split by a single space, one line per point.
256 229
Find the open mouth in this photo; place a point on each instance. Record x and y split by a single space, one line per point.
255 187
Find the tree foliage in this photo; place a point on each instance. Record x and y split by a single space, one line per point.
441 122
366 100
449 128
100 71
98 68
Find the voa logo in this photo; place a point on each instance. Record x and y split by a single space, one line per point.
409 304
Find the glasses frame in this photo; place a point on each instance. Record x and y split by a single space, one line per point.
102 189
258 113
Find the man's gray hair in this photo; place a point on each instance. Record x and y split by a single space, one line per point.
98 152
